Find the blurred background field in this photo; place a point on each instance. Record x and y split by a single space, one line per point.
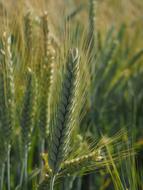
114 79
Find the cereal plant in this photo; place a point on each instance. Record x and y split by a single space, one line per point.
71 95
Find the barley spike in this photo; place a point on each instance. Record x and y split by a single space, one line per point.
60 131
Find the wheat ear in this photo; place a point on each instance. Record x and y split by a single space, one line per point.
27 110
60 131
7 99
46 39
73 166
45 81
26 122
10 97
94 160
92 36
28 31
3 120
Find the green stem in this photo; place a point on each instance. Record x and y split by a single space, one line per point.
52 182
22 174
41 150
42 146
25 167
2 176
8 167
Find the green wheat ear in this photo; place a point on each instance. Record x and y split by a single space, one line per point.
60 132
46 32
3 119
28 110
28 31
7 101
92 36
6 88
45 80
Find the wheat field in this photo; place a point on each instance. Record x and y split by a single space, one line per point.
71 97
